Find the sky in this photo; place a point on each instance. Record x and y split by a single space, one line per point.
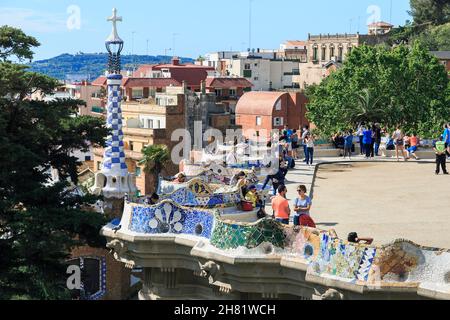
190 28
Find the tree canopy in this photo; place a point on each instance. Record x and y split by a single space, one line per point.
40 220
435 12
400 86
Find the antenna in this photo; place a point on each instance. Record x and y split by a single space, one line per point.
250 2
390 14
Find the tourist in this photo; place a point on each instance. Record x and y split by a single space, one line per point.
353 238
446 137
348 145
152 200
310 149
242 183
399 143
276 179
252 195
295 144
414 145
302 207
367 141
439 148
304 135
377 139
407 141
180 178
280 206
360 134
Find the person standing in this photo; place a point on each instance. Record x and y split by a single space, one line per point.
309 149
399 143
439 148
302 207
360 134
367 142
304 135
377 137
295 144
280 206
348 144
446 137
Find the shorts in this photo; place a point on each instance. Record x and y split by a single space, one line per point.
283 221
399 143
412 149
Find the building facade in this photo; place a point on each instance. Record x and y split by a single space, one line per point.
261 112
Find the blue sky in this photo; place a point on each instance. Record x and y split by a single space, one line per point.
200 26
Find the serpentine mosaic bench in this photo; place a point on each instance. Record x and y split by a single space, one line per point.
400 264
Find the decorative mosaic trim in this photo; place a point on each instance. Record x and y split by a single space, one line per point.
102 274
170 218
233 235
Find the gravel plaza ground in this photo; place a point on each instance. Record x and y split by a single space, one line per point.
386 201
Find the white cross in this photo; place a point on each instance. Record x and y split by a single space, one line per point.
114 20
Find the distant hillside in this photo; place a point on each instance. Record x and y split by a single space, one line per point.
89 65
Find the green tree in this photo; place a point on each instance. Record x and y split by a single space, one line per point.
435 38
155 157
435 12
401 86
40 220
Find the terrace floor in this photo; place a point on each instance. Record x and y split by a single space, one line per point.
385 200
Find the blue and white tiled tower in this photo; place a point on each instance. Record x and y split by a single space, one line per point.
114 181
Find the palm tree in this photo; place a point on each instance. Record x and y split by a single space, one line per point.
368 108
155 157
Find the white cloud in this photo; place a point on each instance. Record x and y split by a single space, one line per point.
33 21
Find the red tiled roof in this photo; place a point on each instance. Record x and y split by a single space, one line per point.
380 24
150 82
100 81
228 83
258 103
132 82
296 43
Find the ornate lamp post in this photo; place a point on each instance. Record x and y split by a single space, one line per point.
114 181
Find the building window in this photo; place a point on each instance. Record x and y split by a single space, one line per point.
340 54
349 49
149 124
256 78
87 158
131 146
258 121
218 92
278 105
247 73
247 66
99 165
331 52
278 122
93 277
232 92
324 51
159 124
137 93
315 53
138 172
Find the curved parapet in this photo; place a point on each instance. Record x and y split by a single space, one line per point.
401 266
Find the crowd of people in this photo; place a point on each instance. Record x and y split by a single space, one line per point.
373 139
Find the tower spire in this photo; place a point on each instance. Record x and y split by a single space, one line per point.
114 181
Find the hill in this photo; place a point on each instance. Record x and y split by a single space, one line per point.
89 65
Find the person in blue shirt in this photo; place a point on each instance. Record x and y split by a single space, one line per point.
302 205
367 141
348 144
446 137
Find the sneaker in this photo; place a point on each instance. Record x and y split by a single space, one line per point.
446 173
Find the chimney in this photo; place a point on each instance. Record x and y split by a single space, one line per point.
184 85
175 61
203 86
